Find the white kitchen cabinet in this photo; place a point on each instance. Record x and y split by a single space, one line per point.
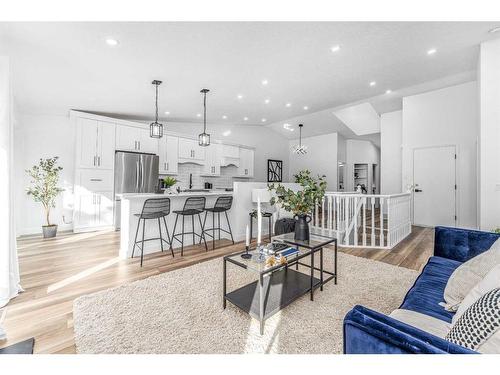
129 138
245 169
93 211
212 160
191 151
95 144
168 154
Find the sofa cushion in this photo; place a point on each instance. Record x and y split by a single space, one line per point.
428 291
434 326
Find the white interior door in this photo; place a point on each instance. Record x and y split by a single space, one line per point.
434 201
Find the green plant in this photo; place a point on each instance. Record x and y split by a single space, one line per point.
496 230
44 179
303 201
169 181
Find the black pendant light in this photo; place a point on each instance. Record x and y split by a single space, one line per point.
204 138
155 128
300 149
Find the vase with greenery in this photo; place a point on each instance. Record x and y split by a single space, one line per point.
168 182
301 202
44 189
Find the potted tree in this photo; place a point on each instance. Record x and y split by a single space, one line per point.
44 189
302 202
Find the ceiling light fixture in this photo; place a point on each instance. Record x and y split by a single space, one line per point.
112 42
263 120
335 48
267 101
204 138
373 83
226 133
240 96
388 91
245 118
432 51
198 115
288 105
224 117
155 128
306 108
167 113
494 30
300 149
265 82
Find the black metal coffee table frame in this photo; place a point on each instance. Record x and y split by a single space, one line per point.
279 286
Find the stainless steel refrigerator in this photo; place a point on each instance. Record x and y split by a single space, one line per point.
134 173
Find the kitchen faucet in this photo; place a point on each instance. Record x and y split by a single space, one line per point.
190 181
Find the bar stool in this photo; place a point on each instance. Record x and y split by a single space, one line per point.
222 204
192 206
253 215
153 209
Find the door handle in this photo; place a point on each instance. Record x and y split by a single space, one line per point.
418 190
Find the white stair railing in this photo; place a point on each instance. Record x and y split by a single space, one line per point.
365 220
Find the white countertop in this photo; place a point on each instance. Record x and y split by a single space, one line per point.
175 195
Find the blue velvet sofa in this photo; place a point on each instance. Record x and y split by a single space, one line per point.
369 332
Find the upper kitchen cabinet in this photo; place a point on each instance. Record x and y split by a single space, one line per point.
95 145
245 168
168 148
130 138
212 160
230 155
191 151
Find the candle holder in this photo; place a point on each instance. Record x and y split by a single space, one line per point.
246 255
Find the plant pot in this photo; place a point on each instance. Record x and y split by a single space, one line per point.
49 231
302 227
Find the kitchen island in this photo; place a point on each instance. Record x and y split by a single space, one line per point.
132 204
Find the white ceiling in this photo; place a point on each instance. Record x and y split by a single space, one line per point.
62 66
361 118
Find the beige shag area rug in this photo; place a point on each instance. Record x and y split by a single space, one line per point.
181 311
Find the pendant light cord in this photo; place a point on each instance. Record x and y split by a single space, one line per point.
204 112
156 102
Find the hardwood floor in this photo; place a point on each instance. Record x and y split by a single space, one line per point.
54 272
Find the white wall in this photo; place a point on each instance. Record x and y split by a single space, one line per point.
321 158
41 136
489 78
390 152
447 116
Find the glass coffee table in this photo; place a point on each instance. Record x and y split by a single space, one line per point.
278 286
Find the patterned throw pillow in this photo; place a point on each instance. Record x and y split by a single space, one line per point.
478 323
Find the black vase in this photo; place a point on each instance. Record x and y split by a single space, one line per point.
302 227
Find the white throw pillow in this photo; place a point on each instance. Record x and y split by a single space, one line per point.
479 326
468 275
426 323
490 281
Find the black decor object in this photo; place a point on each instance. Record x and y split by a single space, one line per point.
274 170
284 225
155 128
204 138
246 255
302 227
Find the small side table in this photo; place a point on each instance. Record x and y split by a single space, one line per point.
268 215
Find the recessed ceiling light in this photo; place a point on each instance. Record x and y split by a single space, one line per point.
432 51
494 30
263 120
245 118
167 112
264 82
306 108
267 101
198 115
288 104
388 91
335 48
224 117
286 125
373 83
112 42
226 133
240 96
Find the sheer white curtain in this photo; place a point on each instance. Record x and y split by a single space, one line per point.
9 267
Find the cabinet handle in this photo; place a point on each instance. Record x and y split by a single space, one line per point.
167 166
95 179
139 145
99 161
94 160
93 198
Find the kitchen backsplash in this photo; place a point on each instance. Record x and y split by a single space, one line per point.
225 180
